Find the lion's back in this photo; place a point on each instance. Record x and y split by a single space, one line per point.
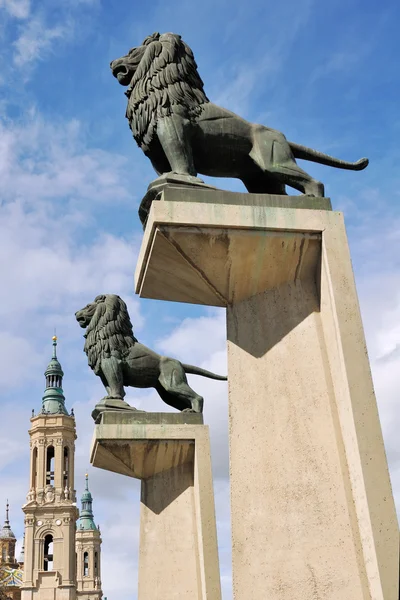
141 366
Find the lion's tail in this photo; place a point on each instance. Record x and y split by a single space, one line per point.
192 370
324 159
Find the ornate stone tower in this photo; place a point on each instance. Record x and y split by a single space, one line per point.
7 543
10 571
50 510
88 541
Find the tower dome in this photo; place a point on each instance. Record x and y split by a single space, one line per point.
53 401
5 531
86 518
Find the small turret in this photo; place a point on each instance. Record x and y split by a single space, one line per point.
7 544
88 551
86 518
5 531
53 401
21 558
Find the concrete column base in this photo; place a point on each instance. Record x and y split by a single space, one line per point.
170 453
312 508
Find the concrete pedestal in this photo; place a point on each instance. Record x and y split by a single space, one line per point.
170 453
312 507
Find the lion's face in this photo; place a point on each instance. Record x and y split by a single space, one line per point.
85 315
125 67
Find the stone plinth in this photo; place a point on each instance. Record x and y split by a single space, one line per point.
170 453
311 501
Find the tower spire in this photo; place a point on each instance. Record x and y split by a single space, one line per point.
5 531
86 519
21 558
54 338
53 401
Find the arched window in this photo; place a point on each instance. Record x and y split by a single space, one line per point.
66 466
50 466
48 553
85 564
96 565
34 467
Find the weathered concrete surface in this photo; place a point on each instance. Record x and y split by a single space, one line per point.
191 263
311 501
170 453
165 188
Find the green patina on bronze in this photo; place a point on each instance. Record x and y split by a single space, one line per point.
183 133
119 359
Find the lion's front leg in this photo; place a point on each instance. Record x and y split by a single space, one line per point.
174 133
112 375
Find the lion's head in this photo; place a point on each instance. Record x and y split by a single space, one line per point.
162 76
108 329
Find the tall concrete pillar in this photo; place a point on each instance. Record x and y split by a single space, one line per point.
170 454
312 507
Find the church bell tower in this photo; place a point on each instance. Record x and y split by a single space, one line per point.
50 510
88 541
7 543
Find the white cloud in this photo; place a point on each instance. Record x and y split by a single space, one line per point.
42 29
36 40
196 339
19 9
19 351
46 160
53 261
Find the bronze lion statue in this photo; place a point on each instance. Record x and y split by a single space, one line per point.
116 356
182 132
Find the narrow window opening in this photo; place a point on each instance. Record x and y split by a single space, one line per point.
34 468
96 568
85 564
4 554
48 553
50 466
66 467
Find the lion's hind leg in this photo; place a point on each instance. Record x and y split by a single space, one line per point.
272 153
174 389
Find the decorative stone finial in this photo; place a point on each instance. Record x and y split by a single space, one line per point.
54 338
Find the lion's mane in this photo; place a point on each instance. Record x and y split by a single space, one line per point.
166 78
109 332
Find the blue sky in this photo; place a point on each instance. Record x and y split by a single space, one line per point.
71 179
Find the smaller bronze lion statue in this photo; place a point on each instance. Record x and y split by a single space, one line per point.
116 356
182 132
